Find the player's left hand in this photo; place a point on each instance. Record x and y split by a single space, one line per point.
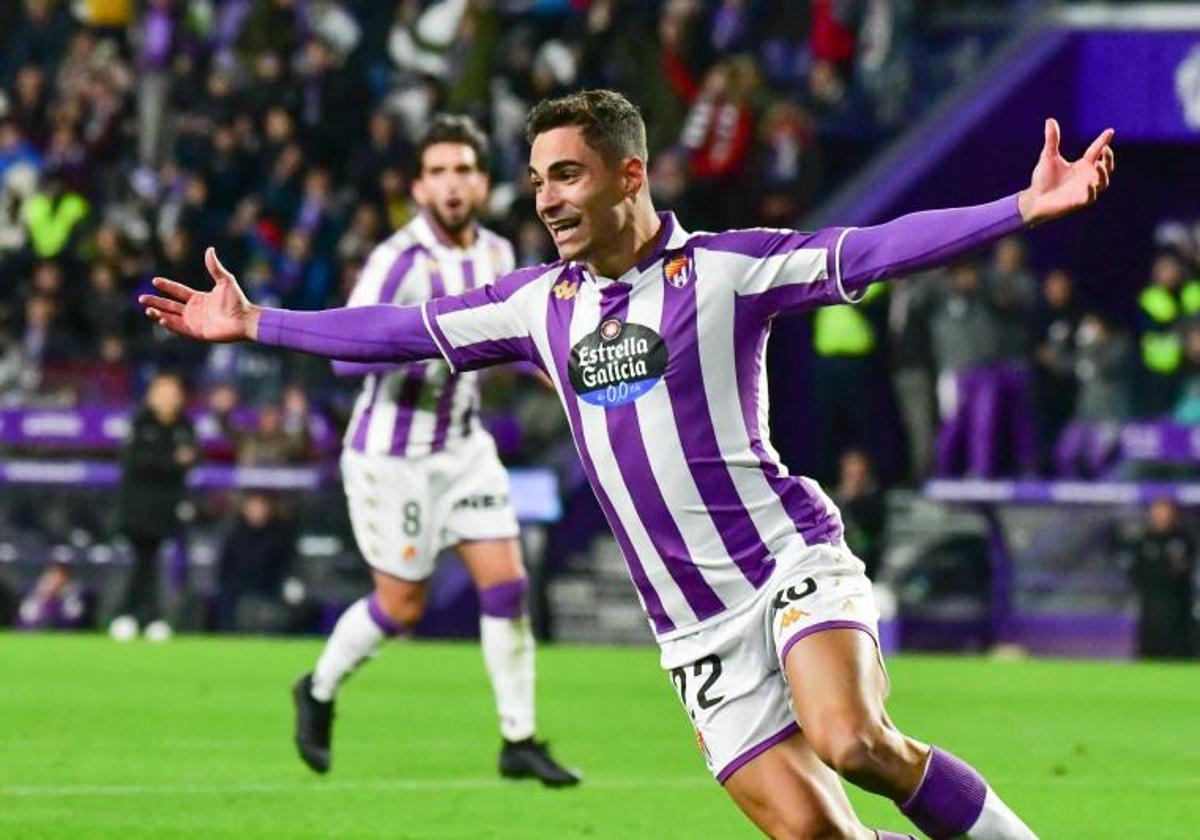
1060 186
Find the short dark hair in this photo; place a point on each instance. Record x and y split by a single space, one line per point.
454 128
612 125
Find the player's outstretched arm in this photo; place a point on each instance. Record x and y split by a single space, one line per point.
924 240
360 334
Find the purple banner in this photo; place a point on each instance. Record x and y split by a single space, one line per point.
1146 84
534 491
1160 442
105 428
1062 492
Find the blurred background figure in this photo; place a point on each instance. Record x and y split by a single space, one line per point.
255 562
864 509
1103 366
1162 563
155 459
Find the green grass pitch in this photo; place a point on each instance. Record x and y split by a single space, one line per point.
192 738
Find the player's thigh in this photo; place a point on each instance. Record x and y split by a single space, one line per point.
837 682
389 501
824 624
788 792
476 513
491 562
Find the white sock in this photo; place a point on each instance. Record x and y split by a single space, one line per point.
998 822
508 649
359 632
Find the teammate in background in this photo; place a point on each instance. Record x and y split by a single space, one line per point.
649 332
422 474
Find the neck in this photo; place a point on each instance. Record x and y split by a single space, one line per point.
632 244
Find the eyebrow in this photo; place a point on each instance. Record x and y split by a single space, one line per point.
557 166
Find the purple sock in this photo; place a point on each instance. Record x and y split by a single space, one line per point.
949 799
504 600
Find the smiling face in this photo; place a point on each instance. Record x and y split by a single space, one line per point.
451 185
584 201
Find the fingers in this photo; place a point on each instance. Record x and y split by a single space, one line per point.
176 290
172 322
1096 150
1053 137
1109 159
1102 173
160 303
219 272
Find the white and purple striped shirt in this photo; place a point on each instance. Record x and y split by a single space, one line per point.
662 375
422 407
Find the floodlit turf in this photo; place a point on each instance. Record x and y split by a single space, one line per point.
99 739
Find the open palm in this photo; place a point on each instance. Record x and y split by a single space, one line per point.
1059 186
222 314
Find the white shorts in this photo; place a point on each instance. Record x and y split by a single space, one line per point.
404 511
730 676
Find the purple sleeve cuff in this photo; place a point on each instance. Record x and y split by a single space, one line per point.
918 241
358 334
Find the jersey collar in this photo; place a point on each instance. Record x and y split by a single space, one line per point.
671 236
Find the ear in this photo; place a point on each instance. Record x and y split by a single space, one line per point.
419 192
633 175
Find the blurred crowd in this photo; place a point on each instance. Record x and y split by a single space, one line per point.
995 371
134 134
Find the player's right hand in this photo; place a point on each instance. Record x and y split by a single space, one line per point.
222 314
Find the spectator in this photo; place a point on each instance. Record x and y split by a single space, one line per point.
909 307
864 510
849 378
256 558
965 330
1162 308
1012 292
1103 367
53 217
1162 563
1055 325
155 459
272 442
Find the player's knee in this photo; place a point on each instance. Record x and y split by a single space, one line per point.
403 604
858 750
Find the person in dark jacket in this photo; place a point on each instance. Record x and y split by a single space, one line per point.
1162 566
256 558
159 450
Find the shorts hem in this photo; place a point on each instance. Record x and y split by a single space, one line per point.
393 573
840 624
757 750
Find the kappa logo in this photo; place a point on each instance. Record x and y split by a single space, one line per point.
791 595
791 617
678 270
565 289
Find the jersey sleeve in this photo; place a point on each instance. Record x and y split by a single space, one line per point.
775 270
485 326
783 270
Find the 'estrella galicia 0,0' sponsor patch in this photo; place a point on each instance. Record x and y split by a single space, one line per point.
617 363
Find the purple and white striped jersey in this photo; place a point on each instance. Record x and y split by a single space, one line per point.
421 407
662 375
